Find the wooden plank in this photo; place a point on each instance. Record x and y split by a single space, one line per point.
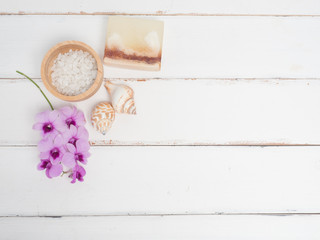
166 180
165 7
194 47
167 227
183 112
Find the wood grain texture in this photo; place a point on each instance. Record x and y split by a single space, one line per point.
194 47
183 112
166 180
164 7
170 227
233 73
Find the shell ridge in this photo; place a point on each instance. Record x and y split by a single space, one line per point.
102 117
122 97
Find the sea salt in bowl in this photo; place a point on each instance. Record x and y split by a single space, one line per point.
49 61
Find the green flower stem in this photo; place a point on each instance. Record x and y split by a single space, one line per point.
63 173
37 87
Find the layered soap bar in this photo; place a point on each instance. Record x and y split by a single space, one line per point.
134 43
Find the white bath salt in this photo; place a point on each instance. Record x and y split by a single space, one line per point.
73 72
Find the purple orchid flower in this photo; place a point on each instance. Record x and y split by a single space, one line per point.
77 173
78 153
51 170
49 123
52 148
72 116
64 141
74 134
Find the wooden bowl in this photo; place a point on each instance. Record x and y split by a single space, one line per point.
62 48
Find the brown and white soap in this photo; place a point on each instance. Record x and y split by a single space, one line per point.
134 43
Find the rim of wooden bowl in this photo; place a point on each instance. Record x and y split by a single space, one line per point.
64 47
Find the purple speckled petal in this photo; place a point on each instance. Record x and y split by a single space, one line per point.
47 173
86 154
53 115
73 178
84 161
60 125
55 170
67 111
78 173
71 148
83 133
80 118
51 134
82 172
68 160
67 135
45 144
54 133
37 126
45 155
74 110
55 161
59 141
82 145
80 179
42 116
73 175
73 130
42 165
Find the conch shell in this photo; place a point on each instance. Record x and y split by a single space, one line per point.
102 117
122 98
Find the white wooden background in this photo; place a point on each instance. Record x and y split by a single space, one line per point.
226 143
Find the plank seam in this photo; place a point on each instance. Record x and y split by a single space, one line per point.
177 142
181 79
158 13
161 215
177 145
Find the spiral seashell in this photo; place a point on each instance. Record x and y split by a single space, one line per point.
122 98
102 117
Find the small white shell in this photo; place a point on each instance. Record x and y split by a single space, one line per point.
102 117
122 98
